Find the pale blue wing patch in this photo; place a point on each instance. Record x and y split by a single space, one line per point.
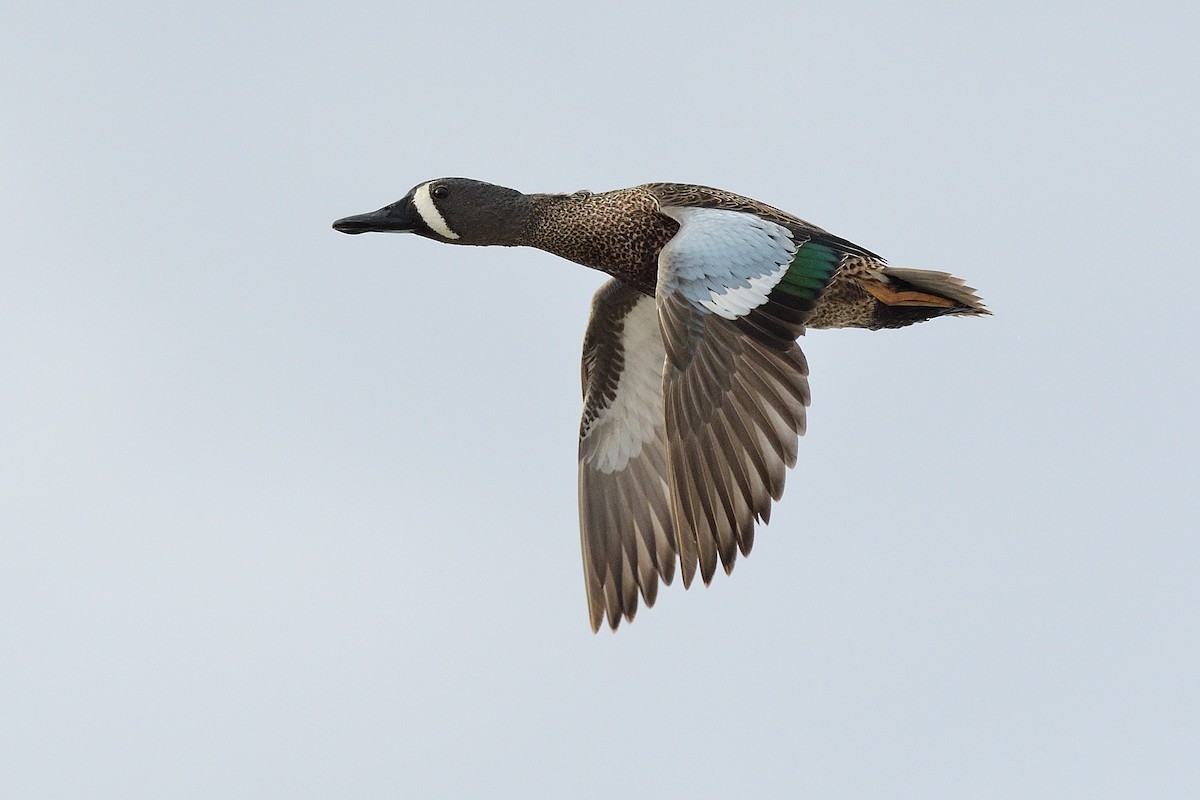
724 262
734 404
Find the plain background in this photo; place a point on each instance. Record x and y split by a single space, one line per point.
286 513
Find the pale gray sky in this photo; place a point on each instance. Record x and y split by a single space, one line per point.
285 513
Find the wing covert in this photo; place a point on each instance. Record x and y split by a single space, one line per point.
735 384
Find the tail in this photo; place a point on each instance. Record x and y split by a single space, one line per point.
915 295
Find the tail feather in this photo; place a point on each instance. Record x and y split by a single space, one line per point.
867 294
940 284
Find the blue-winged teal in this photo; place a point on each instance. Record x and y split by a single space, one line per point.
694 387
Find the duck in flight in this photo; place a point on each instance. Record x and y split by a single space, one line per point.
694 388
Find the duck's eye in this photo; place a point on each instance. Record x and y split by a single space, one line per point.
439 192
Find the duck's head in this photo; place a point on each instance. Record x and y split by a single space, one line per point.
452 210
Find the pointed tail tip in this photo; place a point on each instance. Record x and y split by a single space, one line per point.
969 301
952 288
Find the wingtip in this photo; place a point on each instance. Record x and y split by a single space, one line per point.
687 571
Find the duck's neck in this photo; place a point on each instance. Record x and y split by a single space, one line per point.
551 219
617 232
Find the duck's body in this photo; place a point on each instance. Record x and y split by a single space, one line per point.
694 386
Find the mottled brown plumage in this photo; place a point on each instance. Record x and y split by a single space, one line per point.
618 232
695 390
622 232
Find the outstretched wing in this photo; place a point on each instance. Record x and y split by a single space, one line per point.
624 502
734 290
693 402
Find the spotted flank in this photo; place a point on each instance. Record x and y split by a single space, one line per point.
695 391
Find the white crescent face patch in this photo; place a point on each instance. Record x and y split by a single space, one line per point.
429 213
